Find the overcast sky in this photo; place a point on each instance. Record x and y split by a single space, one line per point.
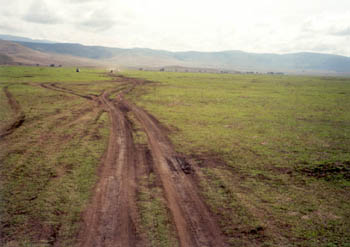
278 26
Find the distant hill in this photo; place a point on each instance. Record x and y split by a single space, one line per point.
269 62
305 62
13 54
232 60
17 38
4 59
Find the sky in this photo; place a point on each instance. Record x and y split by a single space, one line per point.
261 26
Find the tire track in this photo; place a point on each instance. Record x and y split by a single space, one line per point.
110 219
19 115
194 223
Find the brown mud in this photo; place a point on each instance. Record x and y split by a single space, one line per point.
110 219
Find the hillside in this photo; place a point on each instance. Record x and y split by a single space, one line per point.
125 57
232 60
47 52
13 53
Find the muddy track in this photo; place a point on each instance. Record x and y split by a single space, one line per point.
194 223
110 219
19 115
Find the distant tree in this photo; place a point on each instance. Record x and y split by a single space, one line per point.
140 69
162 69
52 65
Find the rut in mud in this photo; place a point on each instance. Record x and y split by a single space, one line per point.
19 115
111 218
194 222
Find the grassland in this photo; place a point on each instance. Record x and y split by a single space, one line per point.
273 152
48 165
5 110
18 74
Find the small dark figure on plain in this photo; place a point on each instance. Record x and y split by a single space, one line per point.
77 70
111 71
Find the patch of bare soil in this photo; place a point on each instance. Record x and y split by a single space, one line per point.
329 171
19 115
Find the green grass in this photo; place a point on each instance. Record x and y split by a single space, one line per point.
273 154
48 165
267 130
6 112
155 217
20 74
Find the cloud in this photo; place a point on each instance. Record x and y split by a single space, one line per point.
82 1
39 12
248 25
97 21
8 28
342 32
100 20
97 24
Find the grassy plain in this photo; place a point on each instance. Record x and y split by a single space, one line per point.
5 110
48 165
273 152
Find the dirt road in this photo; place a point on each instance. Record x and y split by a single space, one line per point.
111 218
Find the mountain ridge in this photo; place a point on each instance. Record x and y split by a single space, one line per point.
299 62
12 53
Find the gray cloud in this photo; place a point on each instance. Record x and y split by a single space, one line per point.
8 28
82 1
39 12
99 21
343 32
97 25
259 26
322 47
